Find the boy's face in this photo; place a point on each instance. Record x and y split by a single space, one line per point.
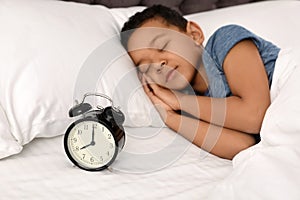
165 54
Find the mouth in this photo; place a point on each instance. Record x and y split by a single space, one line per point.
171 74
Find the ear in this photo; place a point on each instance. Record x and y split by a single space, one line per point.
195 32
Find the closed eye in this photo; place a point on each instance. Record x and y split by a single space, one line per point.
164 46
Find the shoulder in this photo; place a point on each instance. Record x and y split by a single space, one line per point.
228 35
225 38
229 29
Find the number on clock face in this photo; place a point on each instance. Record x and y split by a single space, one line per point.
91 144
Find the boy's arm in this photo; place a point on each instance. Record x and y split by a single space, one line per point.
222 142
248 81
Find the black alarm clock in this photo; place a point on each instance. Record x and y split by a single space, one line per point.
93 141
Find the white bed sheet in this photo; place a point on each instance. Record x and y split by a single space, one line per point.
270 169
42 171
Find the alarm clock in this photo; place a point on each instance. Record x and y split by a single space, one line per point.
93 141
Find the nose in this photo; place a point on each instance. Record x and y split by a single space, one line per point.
161 66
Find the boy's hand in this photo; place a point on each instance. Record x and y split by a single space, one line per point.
163 108
171 98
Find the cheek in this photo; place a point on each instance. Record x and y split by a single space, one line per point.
178 82
184 76
137 55
187 51
158 80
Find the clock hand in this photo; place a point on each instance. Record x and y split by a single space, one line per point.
92 143
93 137
85 146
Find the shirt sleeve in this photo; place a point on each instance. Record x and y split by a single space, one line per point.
225 38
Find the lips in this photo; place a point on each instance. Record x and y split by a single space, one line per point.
170 74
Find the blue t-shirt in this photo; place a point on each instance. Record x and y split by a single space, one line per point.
218 46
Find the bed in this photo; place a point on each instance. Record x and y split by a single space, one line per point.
49 48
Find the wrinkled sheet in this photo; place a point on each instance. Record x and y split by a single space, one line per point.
42 171
270 170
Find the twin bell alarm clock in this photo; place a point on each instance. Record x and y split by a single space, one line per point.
93 141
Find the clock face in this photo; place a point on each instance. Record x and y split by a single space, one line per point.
91 145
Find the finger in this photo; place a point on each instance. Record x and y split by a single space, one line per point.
143 80
140 75
155 100
152 84
146 87
158 103
148 79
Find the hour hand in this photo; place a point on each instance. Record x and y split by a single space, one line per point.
92 143
85 146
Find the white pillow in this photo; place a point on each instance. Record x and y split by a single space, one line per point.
8 144
43 47
276 21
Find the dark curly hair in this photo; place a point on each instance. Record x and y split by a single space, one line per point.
170 17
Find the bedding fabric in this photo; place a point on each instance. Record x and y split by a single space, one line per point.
43 40
42 171
270 170
44 46
59 54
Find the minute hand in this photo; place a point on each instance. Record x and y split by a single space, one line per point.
93 137
92 143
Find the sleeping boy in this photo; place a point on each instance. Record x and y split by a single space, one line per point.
228 81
